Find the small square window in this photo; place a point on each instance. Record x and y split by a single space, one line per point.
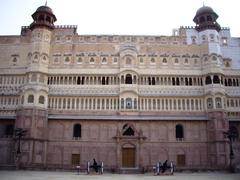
115 60
141 60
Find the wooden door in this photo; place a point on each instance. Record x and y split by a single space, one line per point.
128 157
75 159
181 160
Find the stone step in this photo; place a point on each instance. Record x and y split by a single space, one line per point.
7 167
130 171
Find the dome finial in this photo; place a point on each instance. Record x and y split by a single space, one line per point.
203 4
46 3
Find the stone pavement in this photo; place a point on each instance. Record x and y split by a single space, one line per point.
52 175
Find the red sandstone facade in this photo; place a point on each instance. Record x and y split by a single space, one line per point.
129 101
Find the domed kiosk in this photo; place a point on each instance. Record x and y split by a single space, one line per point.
206 18
43 17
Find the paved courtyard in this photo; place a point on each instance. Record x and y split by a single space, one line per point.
46 175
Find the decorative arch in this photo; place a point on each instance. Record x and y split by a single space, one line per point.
128 79
128 130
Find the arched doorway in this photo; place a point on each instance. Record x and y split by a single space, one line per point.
128 156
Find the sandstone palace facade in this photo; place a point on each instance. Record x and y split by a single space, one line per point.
128 101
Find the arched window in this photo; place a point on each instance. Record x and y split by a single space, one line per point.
14 60
214 58
152 60
22 100
67 60
176 60
209 103
128 130
77 131
218 102
234 132
227 64
216 79
41 100
202 19
209 18
204 38
208 80
92 61
104 60
122 103
31 99
164 60
179 132
44 58
79 61
129 103
128 79
9 130
48 19
229 82
41 18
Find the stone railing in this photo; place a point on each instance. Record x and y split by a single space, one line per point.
10 90
96 90
171 91
232 91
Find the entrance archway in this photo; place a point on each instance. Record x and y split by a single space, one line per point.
128 156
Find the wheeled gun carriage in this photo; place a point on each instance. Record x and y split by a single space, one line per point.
165 168
98 168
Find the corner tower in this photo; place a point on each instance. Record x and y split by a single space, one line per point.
214 91
33 115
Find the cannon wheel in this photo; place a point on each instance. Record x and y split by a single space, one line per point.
88 167
158 168
171 168
101 167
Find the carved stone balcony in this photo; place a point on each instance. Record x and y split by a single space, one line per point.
129 88
214 88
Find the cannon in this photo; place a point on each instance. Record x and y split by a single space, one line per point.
98 168
165 168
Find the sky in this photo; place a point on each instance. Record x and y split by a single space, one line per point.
119 17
